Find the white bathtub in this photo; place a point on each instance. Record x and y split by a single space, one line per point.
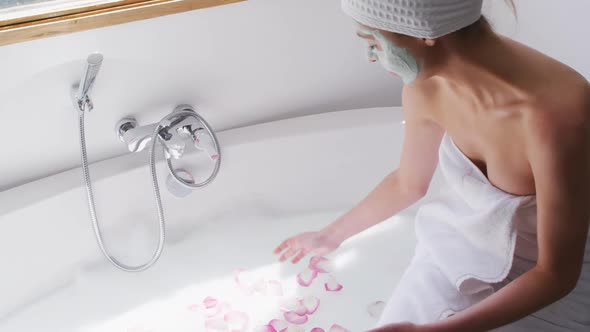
277 179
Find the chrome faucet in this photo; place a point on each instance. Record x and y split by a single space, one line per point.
81 92
173 135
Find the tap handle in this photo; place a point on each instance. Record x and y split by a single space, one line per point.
138 138
174 147
204 142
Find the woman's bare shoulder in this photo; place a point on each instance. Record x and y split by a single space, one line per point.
553 75
557 90
568 91
569 103
566 113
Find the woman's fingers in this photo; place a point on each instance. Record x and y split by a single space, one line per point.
290 252
282 246
300 256
297 246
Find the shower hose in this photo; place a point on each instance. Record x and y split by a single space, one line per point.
92 208
155 186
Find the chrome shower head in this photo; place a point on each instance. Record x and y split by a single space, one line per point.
93 64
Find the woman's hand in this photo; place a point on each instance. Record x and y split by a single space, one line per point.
318 243
400 327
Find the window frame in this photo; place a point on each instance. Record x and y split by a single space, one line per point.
15 30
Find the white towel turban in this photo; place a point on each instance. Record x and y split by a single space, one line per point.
417 18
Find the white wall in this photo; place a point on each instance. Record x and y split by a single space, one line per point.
239 64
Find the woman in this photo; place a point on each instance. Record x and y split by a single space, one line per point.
516 156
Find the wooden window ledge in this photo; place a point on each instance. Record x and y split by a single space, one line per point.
40 25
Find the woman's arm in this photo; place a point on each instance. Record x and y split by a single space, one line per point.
559 155
396 192
408 183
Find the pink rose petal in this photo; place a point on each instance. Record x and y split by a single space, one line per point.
264 328
337 328
306 277
332 285
295 305
311 304
210 302
212 312
236 320
317 329
274 288
301 310
320 264
212 307
375 309
289 304
216 325
294 318
278 325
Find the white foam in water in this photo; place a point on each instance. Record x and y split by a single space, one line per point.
202 263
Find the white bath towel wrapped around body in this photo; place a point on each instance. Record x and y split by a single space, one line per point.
472 240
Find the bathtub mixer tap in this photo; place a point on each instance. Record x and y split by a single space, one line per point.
173 131
183 125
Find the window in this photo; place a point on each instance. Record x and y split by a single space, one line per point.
18 11
22 20
13 3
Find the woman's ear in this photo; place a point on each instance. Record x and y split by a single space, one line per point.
429 42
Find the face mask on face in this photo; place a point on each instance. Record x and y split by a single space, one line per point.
393 58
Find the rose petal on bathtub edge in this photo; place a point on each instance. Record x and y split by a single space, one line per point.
264 328
289 304
294 318
278 325
320 264
301 309
337 328
306 277
210 302
311 304
332 285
